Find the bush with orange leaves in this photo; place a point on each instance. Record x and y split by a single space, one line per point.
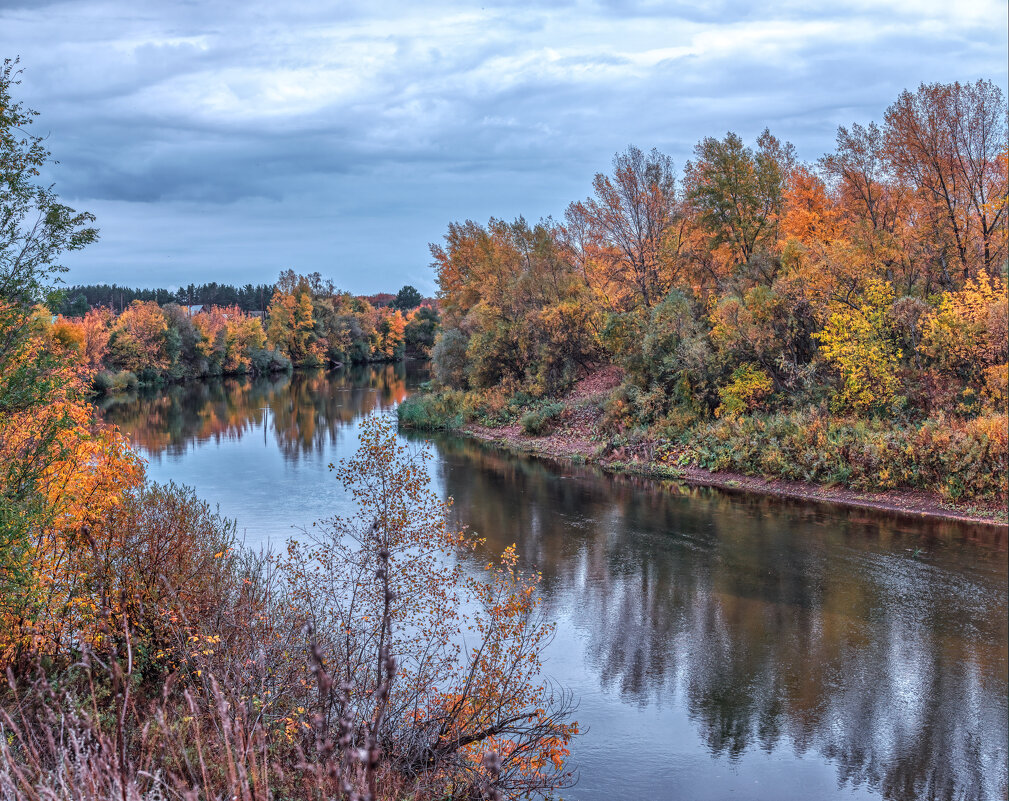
468 648
86 542
88 538
367 662
60 470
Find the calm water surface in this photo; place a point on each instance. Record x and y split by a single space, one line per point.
722 646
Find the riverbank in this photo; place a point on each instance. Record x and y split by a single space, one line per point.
916 504
573 434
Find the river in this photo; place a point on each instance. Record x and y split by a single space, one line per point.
721 645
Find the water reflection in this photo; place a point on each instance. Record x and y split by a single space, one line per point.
776 625
303 411
722 645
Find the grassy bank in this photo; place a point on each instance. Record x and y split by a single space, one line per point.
938 464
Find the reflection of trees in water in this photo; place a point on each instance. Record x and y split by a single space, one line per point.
303 411
781 625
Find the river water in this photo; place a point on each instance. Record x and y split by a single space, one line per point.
721 646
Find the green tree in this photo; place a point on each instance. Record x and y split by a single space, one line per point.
449 356
407 298
736 193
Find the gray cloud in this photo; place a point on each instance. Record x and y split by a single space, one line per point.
226 141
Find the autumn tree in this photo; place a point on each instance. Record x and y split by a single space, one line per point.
35 229
310 322
736 194
228 339
625 236
67 336
877 220
140 338
96 326
465 266
526 315
948 141
421 328
860 344
291 326
966 337
391 330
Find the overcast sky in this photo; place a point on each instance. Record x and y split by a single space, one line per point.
225 141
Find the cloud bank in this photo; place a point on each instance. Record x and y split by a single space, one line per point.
227 141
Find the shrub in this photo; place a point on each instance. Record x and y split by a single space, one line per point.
260 705
449 355
746 392
102 381
431 411
149 376
112 383
540 420
268 360
955 458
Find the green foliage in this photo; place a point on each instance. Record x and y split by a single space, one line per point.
431 412
114 383
407 299
268 360
736 192
540 420
35 228
957 459
449 354
78 299
667 357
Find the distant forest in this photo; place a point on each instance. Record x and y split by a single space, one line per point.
77 300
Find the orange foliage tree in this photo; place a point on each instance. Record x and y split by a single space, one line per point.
77 470
625 235
228 338
139 338
761 269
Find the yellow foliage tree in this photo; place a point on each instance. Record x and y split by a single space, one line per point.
967 338
858 343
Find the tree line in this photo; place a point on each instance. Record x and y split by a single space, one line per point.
867 285
308 323
78 299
